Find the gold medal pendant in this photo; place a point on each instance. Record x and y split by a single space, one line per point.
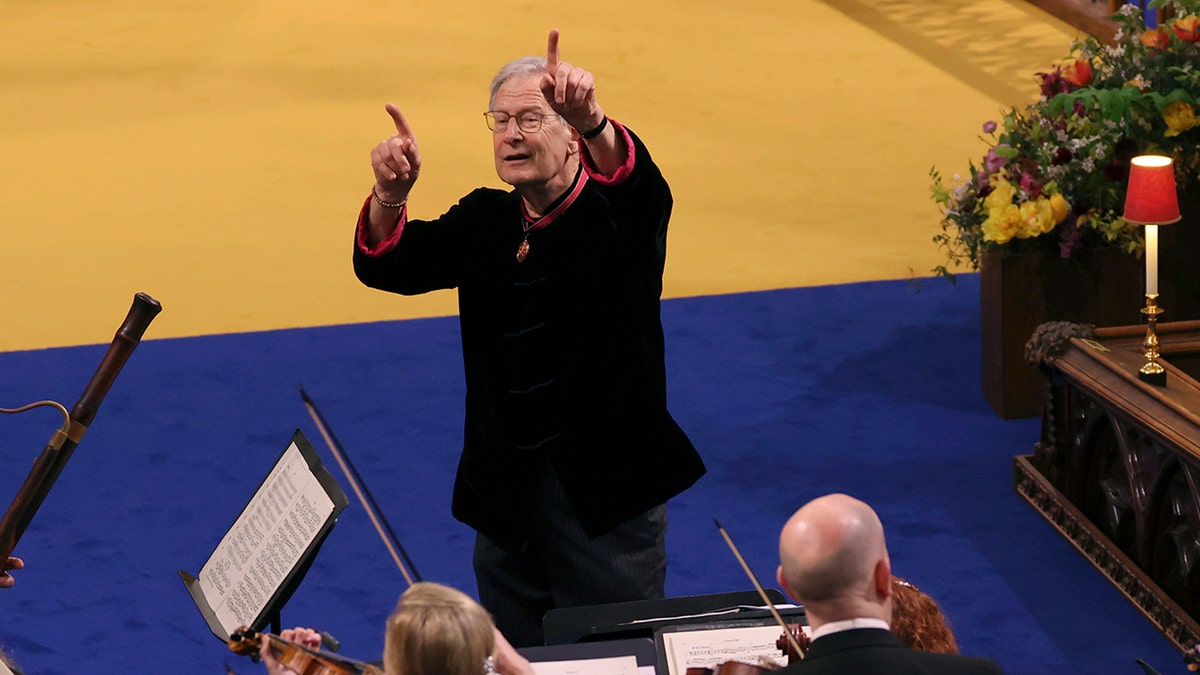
523 249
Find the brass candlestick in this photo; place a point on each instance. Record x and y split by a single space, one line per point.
1152 371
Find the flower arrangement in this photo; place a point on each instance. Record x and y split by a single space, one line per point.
1055 173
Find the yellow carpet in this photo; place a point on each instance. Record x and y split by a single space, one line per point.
215 154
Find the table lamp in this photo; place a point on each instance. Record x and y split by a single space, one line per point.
1151 200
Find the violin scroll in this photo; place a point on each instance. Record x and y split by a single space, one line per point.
788 646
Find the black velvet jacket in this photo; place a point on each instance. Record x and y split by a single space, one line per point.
563 352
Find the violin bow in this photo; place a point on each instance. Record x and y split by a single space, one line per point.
758 587
364 496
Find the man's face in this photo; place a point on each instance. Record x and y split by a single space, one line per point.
532 159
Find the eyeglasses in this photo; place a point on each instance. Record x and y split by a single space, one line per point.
529 121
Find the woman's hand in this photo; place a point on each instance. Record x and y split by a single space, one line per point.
301 636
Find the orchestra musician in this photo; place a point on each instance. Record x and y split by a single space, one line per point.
569 454
834 561
918 620
434 629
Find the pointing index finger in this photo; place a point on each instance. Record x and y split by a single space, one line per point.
402 126
552 52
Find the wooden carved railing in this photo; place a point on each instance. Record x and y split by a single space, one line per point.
1117 468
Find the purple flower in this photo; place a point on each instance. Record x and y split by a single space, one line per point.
1030 187
989 127
994 162
1054 83
1062 156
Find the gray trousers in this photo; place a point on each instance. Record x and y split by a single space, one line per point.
560 566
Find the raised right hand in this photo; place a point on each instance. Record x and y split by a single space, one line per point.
396 160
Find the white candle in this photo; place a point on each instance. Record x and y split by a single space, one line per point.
1151 260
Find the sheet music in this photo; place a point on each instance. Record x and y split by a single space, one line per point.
616 665
706 648
266 542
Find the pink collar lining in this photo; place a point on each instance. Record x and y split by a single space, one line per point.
531 224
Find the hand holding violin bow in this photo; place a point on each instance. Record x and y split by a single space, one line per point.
295 651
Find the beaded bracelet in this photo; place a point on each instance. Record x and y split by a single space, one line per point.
386 205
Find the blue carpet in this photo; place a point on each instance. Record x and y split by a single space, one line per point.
871 389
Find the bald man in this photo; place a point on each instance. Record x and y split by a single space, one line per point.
834 561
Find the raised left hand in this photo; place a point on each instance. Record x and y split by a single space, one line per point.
571 91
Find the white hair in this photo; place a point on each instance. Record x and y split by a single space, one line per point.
527 65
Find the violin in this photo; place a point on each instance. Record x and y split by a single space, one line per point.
296 656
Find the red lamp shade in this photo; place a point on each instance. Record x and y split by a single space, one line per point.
1151 198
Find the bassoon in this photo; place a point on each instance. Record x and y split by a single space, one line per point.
54 456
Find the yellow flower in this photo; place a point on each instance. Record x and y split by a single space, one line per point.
1059 207
1003 217
1036 218
1001 224
1180 116
1002 193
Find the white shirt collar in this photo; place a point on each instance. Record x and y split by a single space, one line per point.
849 624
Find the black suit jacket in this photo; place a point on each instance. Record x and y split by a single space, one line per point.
867 651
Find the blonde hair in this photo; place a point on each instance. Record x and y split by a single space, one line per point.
437 630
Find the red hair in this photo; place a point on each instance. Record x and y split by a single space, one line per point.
918 621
